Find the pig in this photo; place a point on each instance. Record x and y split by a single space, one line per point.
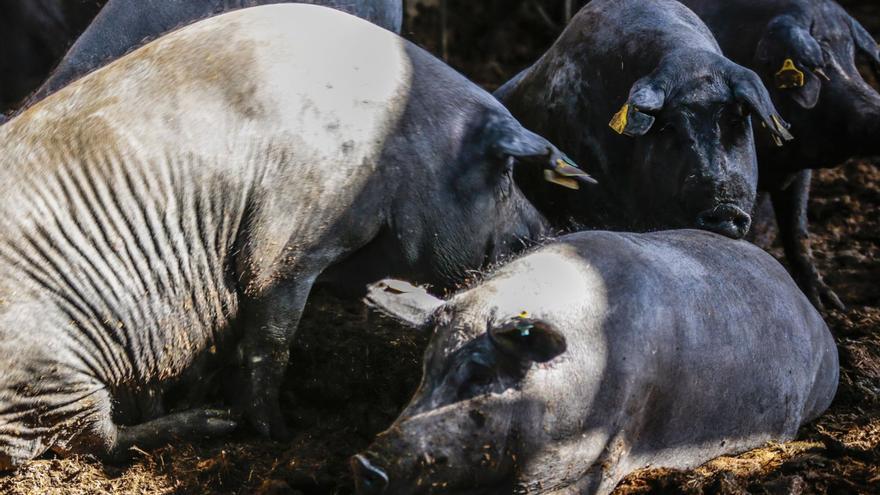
596 355
175 206
679 150
124 25
805 51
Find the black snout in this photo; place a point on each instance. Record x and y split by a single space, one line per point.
368 479
725 219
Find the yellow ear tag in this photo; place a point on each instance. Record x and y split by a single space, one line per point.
556 178
789 76
524 314
618 122
777 122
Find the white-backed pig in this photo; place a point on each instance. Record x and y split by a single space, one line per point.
183 199
123 25
599 354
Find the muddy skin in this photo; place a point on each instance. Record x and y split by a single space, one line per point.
137 247
563 371
641 95
834 112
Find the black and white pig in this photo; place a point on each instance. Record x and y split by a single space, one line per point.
806 52
123 25
679 151
600 354
180 202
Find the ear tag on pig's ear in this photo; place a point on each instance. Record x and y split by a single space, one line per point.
789 76
630 121
551 176
781 131
523 325
618 122
566 174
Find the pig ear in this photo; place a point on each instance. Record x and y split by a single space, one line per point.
528 340
750 92
524 146
634 117
793 59
865 42
403 301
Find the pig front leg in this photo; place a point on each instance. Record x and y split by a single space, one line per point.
790 205
264 351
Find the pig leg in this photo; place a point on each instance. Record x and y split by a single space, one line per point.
265 350
98 434
791 215
191 424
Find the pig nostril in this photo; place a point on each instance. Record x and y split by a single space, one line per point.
725 219
369 479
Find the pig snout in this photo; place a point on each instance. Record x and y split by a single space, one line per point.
725 219
369 479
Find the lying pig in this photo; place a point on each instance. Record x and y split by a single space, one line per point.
679 151
805 51
600 354
180 202
124 25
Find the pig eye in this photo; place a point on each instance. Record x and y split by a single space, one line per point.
505 184
480 373
476 380
509 163
736 114
667 128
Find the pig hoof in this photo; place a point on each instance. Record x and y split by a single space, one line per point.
822 296
216 422
201 422
829 298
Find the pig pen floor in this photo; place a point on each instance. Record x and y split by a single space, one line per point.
351 372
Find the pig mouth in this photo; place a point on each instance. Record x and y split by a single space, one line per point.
368 478
726 219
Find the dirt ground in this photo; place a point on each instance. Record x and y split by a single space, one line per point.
352 371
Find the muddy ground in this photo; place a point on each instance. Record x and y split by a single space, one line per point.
352 372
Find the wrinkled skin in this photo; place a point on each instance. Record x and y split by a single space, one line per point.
632 353
835 115
124 25
34 34
687 159
171 211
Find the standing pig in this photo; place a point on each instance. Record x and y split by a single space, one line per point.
600 354
181 201
680 151
805 51
124 25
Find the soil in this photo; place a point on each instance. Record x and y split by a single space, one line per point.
352 371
